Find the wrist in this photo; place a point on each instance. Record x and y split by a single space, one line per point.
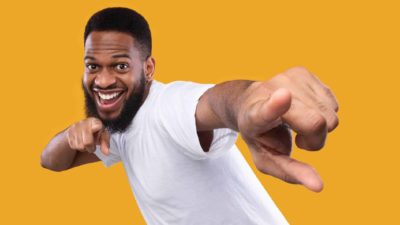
245 100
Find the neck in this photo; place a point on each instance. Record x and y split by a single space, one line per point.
146 90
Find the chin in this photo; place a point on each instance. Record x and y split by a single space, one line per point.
109 116
116 116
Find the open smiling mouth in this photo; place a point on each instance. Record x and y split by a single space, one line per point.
109 100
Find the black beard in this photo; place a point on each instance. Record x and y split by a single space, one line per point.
128 112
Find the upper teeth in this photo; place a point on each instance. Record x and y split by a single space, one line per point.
108 96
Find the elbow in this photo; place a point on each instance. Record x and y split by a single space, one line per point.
46 163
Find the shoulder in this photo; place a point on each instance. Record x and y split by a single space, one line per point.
185 85
184 90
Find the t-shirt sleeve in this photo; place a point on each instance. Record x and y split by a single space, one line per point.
176 114
113 156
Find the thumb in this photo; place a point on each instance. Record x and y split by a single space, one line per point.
269 111
105 142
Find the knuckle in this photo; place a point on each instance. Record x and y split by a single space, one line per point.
329 114
71 130
298 70
331 96
68 134
87 138
90 120
333 123
87 142
70 140
327 90
283 77
336 106
316 122
80 147
322 106
71 144
82 124
93 120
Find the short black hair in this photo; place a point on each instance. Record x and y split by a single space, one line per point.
122 20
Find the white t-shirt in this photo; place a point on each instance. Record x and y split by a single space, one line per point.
173 179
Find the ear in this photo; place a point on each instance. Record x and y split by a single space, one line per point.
149 67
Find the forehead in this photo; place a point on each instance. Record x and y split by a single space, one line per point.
109 41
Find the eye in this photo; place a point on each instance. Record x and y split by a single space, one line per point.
92 67
122 67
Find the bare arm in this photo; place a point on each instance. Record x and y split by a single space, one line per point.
266 112
219 106
75 146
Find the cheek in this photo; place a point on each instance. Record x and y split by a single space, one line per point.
131 83
87 84
87 80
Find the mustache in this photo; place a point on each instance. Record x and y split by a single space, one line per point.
109 87
129 109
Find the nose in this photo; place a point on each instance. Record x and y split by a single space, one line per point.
105 79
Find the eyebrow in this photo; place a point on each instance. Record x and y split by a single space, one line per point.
121 56
114 56
89 57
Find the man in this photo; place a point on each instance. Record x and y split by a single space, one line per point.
177 140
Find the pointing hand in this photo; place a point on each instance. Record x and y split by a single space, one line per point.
294 100
86 134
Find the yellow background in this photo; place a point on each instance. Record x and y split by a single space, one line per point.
353 46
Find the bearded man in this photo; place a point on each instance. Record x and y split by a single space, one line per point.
177 140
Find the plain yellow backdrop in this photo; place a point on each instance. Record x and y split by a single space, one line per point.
353 46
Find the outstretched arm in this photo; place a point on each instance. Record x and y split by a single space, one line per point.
266 112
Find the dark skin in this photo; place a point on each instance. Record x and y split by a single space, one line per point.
265 113
112 59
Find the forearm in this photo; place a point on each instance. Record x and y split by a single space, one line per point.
220 105
58 155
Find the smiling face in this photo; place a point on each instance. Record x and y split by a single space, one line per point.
116 79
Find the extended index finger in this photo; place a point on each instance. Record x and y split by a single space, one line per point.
291 170
300 172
